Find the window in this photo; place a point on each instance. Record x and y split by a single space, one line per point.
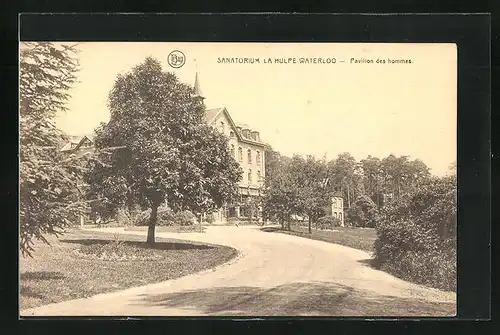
232 150
250 175
258 175
240 154
334 203
231 134
222 126
257 158
340 216
249 153
336 215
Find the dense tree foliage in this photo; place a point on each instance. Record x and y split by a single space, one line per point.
363 213
296 185
314 196
165 150
48 180
416 235
281 198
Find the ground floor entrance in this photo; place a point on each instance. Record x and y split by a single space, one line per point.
248 208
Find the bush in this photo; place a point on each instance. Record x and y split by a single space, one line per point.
363 213
184 218
165 217
328 222
210 218
124 218
416 235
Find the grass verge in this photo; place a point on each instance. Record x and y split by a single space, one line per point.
358 238
57 274
170 229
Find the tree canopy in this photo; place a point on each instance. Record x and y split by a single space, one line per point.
164 149
48 181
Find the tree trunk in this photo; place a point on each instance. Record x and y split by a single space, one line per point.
348 198
152 225
282 221
289 224
310 232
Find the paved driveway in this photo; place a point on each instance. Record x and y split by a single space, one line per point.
275 274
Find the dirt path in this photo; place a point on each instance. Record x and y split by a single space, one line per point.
275 274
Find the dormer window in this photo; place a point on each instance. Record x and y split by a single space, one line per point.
249 154
231 134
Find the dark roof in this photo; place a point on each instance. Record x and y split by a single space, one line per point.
337 194
77 140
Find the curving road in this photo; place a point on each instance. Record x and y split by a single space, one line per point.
274 275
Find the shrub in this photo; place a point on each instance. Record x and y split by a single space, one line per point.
328 222
416 235
124 218
363 212
184 218
210 218
165 217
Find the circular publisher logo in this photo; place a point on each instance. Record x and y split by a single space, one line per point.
176 59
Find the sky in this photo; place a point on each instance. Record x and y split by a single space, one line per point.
355 105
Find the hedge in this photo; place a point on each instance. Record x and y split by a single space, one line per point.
416 235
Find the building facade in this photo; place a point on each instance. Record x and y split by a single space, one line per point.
338 208
247 148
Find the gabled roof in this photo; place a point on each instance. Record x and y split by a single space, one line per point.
75 142
211 115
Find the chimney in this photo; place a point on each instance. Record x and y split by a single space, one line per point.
255 136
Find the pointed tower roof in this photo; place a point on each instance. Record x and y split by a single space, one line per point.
197 89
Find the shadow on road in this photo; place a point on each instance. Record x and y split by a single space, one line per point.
370 262
140 244
306 299
270 229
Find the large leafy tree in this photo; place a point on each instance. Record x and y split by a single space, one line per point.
344 175
165 151
401 175
310 176
281 196
372 178
48 180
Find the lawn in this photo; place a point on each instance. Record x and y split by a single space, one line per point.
170 229
57 272
358 238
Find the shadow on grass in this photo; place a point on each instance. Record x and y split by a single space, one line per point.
144 245
41 275
28 292
309 299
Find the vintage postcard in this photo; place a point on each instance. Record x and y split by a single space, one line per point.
238 179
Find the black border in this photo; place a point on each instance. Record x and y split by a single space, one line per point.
470 32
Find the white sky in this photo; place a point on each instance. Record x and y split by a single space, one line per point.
365 109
